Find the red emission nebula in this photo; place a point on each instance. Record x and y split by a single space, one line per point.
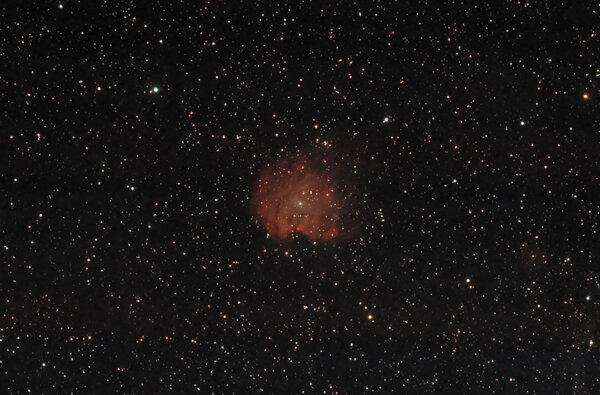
305 194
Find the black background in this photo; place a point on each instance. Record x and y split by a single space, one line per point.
131 262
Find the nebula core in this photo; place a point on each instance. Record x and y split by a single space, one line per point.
305 194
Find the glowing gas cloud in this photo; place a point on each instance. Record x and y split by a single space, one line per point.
307 193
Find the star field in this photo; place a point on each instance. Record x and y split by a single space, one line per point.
454 146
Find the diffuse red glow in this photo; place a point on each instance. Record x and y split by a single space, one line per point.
304 194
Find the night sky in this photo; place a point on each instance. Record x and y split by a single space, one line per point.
299 197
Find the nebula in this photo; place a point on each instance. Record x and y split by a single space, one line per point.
306 194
